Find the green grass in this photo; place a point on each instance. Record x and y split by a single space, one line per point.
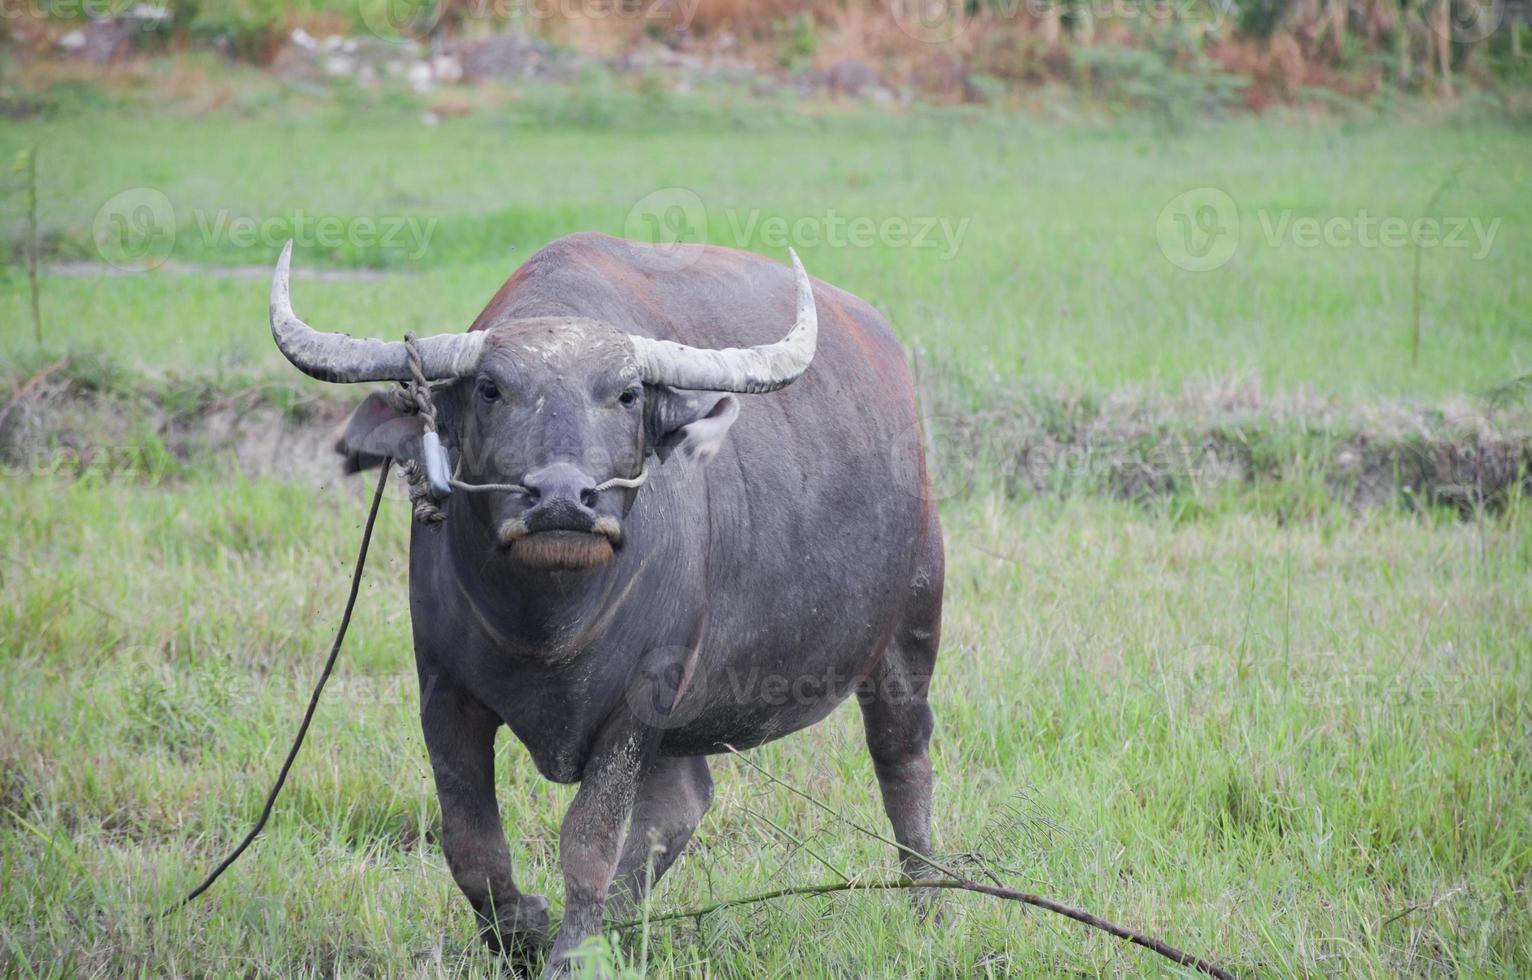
1265 744
1057 279
1269 729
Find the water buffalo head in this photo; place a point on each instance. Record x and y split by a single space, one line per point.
563 413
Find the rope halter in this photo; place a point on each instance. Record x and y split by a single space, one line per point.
429 483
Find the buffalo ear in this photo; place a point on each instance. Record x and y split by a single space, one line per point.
376 430
692 423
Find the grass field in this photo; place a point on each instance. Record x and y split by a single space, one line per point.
1040 263
1301 750
1293 740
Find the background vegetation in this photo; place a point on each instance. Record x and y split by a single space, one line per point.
950 50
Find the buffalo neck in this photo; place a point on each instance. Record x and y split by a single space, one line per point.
539 614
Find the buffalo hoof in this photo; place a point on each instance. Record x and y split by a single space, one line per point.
518 930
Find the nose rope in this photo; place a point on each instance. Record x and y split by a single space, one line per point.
415 398
616 481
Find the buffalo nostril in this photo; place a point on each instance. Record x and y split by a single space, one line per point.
560 484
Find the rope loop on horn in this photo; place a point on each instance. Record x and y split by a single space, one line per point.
413 397
418 388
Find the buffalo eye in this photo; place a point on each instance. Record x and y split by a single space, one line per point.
628 397
488 390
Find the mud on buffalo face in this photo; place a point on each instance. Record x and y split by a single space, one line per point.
556 407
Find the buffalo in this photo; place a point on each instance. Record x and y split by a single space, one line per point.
641 567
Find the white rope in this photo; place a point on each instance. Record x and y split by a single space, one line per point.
616 481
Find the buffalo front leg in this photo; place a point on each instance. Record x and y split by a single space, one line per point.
592 836
460 737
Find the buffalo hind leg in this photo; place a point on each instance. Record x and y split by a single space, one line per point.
672 799
460 737
897 718
897 738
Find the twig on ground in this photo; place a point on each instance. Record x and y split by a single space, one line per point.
799 844
995 554
955 881
31 383
956 876
1421 906
1010 894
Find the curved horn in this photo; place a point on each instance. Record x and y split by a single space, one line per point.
742 369
338 357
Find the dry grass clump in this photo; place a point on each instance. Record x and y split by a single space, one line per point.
1211 443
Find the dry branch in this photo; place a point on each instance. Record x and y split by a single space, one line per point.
31 383
1010 894
954 881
